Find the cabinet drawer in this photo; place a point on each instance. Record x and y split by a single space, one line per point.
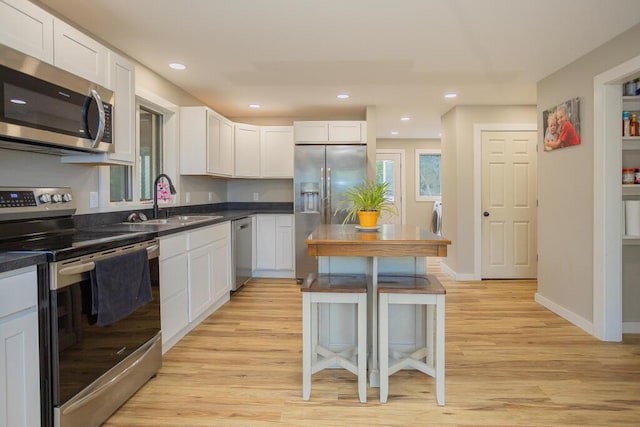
284 221
173 245
201 237
18 291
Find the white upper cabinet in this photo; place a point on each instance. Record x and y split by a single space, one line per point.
78 53
247 151
330 132
206 142
226 165
276 151
121 79
27 28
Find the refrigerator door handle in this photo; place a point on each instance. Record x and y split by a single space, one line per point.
328 214
322 201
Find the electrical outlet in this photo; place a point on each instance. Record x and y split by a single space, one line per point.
187 197
211 196
93 199
256 197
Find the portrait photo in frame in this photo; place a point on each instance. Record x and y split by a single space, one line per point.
562 125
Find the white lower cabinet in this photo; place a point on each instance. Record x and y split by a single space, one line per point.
274 246
194 278
19 349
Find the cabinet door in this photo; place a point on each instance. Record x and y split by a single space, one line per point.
122 82
78 53
193 140
311 131
284 242
247 151
200 281
265 242
226 166
221 268
345 132
27 28
213 143
276 155
174 306
19 349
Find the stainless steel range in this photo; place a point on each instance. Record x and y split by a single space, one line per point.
100 305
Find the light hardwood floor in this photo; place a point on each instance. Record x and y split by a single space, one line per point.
509 362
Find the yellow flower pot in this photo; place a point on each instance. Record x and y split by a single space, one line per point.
368 218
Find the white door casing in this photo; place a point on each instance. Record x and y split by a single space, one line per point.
509 194
396 159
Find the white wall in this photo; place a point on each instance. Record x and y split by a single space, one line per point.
458 153
565 185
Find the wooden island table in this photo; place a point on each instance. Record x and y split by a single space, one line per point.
392 249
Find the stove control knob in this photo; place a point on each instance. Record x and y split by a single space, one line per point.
44 198
56 198
66 197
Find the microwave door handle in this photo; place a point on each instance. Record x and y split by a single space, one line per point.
101 118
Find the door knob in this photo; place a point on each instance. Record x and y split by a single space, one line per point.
485 213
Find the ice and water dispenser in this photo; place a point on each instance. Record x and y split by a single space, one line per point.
310 196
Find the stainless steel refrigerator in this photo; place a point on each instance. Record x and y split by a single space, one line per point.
322 174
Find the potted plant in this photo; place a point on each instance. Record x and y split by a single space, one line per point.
366 202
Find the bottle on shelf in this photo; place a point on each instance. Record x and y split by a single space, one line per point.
625 123
633 126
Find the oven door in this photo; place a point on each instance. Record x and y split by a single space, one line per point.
97 368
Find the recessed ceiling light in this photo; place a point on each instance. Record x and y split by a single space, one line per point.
254 105
343 95
395 132
405 119
18 101
450 95
177 66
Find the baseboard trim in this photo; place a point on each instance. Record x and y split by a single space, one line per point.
631 327
566 314
458 277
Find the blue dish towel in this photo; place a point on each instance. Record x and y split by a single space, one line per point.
120 285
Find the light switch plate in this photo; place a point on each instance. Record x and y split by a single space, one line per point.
256 197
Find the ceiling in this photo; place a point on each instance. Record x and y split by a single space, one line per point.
294 56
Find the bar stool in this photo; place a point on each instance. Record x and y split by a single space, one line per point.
422 290
333 288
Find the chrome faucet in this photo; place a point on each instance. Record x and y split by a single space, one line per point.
172 190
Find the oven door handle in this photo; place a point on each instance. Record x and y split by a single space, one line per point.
77 269
89 266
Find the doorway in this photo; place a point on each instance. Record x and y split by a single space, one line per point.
390 168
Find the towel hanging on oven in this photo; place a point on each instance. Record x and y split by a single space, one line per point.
120 285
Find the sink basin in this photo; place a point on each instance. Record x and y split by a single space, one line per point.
180 220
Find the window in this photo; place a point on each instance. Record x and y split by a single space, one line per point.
150 150
428 175
149 165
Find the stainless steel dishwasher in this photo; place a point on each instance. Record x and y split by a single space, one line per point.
241 247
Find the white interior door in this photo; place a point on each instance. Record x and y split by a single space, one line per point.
388 169
509 195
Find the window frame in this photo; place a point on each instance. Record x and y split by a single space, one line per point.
428 152
170 139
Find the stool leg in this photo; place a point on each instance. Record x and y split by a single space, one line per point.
306 346
440 350
362 347
383 317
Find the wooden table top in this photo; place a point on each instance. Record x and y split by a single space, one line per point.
390 240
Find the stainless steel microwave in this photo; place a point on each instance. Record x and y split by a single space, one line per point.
46 109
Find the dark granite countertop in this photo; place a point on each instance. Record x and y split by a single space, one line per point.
114 222
15 260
